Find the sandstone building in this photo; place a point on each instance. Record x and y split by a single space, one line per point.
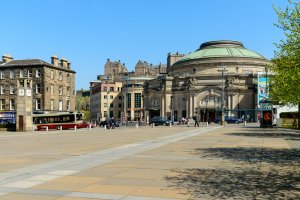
53 84
194 84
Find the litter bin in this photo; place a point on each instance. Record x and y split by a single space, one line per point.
208 121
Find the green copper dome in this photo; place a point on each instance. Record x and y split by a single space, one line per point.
221 49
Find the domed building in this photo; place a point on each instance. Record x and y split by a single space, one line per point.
194 83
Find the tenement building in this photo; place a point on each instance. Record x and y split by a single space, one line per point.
53 84
194 83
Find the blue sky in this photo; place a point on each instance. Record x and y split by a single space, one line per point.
88 32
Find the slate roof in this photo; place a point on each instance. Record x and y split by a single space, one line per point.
25 62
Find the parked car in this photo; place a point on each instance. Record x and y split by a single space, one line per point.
159 121
87 124
103 123
229 120
117 124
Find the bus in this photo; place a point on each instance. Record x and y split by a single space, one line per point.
65 120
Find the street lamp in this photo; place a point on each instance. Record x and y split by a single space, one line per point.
223 118
107 79
266 69
126 104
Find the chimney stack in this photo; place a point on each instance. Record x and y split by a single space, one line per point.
107 59
6 58
54 60
63 62
69 65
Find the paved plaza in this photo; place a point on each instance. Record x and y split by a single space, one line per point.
161 163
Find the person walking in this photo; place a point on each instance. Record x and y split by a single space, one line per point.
109 123
179 120
113 122
196 120
243 119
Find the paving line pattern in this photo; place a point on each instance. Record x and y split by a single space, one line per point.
19 180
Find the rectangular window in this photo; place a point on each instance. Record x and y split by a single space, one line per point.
120 105
129 100
105 105
2 89
105 97
119 114
68 105
118 89
105 113
38 88
38 104
120 97
105 89
52 74
68 91
11 104
2 104
52 89
21 73
111 113
60 90
51 104
12 74
60 105
60 76
247 72
111 89
12 89
37 73
68 78
111 105
2 74
137 100
111 97
30 73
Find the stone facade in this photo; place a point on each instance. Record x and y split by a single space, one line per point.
194 84
173 58
53 84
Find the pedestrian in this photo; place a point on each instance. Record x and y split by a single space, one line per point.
113 122
110 122
196 120
243 119
179 121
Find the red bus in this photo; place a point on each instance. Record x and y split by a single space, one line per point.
61 119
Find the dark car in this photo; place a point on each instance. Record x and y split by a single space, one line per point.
103 123
159 121
117 124
229 120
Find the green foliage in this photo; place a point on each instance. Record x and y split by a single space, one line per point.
86 115
289 115
82 103
284 82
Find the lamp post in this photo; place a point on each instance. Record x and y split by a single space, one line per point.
266 69
107 79
222 105
126 104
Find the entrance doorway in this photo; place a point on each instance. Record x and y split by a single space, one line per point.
154 113
20 123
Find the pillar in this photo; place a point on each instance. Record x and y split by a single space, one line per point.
229 104
187 107
191 106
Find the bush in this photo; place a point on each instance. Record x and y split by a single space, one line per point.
290 115
2 125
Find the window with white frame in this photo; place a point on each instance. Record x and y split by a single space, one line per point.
68 91
68 78
2 74
22 73
2 104
52 74
12 74
60 105
60 90
38 73
38 88
68 105
11 104
12 89
60 76
52 89
30 73
51 104
38 104
2 89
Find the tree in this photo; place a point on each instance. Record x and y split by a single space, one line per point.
284 83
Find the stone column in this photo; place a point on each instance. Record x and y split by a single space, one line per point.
187 107
229 104
191 106
163 107
195 104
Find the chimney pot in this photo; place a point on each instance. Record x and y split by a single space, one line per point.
6 58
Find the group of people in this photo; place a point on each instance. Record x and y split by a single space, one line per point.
111 123
183 120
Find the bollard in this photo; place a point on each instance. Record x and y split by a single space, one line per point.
188 124
170 125
244 123
75 127
104 127
46 128
206 124
90 127
219 122
225 124
60 127
137 126
153 125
